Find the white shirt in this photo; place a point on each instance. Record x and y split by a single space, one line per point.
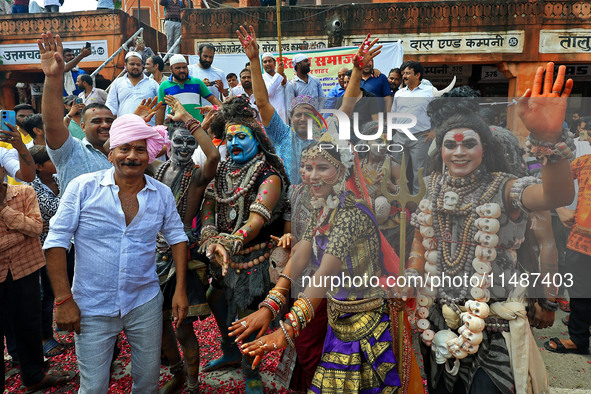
212 73
199 156
276 93
124 98
52 2
9 160
414 102
239 91
96 96
115 263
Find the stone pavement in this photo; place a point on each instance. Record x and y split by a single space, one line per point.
568 373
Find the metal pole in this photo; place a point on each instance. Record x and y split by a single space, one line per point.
170 53
279 30
139 17
124 46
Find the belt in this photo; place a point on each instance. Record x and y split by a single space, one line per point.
354 306
173 19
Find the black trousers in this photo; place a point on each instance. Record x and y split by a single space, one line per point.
579 265
23 300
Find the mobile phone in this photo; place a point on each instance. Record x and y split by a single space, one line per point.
78 101
9 117
87 44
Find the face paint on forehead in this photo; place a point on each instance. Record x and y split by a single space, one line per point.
459 136
236 128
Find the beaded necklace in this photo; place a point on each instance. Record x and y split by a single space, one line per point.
186 175
187 171
233 191
473 191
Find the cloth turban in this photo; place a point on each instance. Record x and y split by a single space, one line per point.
130 127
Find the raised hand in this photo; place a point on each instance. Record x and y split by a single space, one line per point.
178 112
12 136
209 117
76 109
248 41
52 54
148 108
542 108
366 52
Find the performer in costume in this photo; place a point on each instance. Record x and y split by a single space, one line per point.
361 254
469 224
188 183
241 211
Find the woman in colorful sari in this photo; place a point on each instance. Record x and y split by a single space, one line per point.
341 240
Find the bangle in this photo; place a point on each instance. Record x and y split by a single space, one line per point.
192 123
68 116
281 288
215 107
548 305
64 300
308 303
517 189
286 277
266 304
548 152
293 321
287 337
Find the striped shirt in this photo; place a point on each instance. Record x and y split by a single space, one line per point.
188 94
20 227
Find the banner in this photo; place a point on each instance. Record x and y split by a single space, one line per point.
324 63
29 53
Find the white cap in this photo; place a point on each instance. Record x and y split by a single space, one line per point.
175 59
300 57
132 53
268 54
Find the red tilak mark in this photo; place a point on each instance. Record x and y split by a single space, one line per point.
264 192
459 137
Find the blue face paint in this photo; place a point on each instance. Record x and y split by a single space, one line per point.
241 143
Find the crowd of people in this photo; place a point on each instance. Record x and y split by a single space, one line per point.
169 199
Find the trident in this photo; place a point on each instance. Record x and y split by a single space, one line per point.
403 197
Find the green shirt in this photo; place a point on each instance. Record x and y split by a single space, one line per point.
76 130
189 94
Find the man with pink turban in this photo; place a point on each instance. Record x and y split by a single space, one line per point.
131 127
114 216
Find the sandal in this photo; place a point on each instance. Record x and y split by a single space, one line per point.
53 348
560 348
565 320
563 304
52 379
